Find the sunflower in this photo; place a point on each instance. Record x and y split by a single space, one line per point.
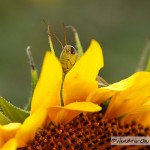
46 101
66 110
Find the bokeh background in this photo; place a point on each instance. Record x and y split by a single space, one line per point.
121 27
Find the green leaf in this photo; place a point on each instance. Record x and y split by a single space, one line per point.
104 106
3 119
15 114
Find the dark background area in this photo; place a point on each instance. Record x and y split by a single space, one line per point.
121 27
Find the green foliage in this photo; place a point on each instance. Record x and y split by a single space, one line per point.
15 114
3 119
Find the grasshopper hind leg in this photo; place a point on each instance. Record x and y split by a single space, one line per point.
78 43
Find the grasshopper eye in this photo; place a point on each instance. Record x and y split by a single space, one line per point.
72 49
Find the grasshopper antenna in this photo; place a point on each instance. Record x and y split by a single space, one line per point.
49 30
56 37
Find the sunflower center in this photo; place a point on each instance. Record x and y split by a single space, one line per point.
86 132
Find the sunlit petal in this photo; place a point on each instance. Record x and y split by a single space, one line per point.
81 79
47 91
134 97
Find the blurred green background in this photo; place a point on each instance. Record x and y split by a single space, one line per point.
121 27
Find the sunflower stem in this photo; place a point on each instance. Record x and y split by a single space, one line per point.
34 76
143 58
148 65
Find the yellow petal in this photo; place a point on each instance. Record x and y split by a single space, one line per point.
62 115
140 115
143 119
31 124
81 79
100 95
47 91
10 145
127 101
8 131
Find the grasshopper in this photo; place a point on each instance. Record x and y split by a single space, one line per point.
69 55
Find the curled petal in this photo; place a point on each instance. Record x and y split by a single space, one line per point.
98 96
62 115
128 85
101 94
81 79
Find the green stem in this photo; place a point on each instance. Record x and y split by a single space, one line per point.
143 58
34 77
148 65
78 43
